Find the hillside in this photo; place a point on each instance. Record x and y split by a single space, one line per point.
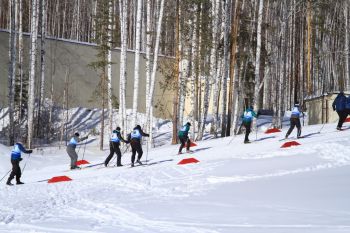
235 187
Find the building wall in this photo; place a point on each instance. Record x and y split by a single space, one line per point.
320 110
72 60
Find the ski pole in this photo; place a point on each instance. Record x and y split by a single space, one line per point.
321 127
147 152
84 150
5 175
26 163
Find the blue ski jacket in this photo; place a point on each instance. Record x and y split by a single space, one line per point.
16 151
339 102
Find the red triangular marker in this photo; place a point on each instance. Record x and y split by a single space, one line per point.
191 145
273 130
347 119
187 161
290 144
81 162
56 179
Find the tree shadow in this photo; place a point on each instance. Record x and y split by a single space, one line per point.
310 134
264 138
159 162
200 149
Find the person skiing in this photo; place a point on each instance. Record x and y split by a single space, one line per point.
183 137
71 149
114 144
339 105
15 159
247 118
295 120
135 141
347 106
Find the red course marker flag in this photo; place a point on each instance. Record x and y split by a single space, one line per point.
290 144
273 130
57 179
347 119
191 145
187 161
81 162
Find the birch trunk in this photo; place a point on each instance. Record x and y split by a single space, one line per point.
234 35
149 112
123 63
213 64
137 61
42 63
109 65
309 28
33 53
12 71
20 57
347 74
226 22
148 51
257 57
194 54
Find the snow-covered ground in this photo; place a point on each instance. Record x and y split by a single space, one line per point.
236 187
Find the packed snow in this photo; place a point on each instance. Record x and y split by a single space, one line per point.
235 187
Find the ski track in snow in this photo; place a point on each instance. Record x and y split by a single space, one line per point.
122 199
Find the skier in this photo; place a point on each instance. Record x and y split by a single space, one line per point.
15 159
247 118
183 136
114 147
135 141
295 120
71 149
339 106
347 106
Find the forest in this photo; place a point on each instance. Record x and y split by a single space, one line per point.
226 55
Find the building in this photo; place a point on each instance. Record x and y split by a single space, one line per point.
69 60
320 109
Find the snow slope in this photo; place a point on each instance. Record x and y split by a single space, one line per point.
235 187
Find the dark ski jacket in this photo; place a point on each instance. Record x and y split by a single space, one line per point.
137 134
16 151
339 102
347 104
117 137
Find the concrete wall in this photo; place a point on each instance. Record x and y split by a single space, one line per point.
72 59
320 110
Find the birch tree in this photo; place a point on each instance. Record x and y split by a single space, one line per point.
137 61
213 63
149 111
123 62
257 58
347 74
12 71
43 7
33 53
109 65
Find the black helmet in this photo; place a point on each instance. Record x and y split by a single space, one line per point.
296 103
138 127
77 134
188 123
118 128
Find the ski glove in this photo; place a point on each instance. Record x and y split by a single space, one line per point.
29 151
20 159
